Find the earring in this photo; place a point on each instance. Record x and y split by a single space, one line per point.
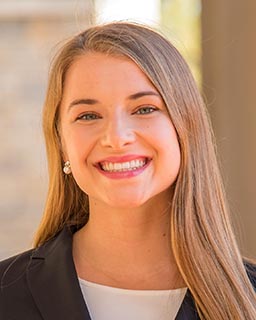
67 168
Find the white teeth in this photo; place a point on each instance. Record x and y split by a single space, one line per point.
123 166
133 164
117 166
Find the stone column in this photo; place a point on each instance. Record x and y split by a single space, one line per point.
229 84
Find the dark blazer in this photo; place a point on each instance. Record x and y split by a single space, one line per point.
42 284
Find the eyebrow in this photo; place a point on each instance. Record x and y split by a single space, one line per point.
142 94
82 101
134 96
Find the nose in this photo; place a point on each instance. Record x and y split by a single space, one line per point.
118 133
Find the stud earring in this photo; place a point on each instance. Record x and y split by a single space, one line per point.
67 168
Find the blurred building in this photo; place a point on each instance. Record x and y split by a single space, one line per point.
29 32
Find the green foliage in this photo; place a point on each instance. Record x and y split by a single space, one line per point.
181 23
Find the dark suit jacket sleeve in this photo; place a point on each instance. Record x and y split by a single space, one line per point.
13 284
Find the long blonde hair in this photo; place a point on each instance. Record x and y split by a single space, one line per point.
202 240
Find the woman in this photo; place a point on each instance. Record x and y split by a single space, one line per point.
136 227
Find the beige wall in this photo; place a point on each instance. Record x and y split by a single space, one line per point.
229 83
29 30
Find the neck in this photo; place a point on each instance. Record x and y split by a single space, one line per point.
127 247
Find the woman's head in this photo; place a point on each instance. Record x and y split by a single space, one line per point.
164 67
117 134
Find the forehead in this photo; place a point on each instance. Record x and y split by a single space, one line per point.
97 70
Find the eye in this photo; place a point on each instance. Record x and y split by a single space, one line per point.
145 110
89 116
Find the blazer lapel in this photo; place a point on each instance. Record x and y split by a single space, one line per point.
53 281
187 310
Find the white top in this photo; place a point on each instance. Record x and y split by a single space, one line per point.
109 303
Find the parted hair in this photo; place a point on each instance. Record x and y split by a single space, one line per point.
202 239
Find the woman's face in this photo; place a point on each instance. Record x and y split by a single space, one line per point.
116 132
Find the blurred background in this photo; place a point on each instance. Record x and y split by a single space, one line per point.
217 38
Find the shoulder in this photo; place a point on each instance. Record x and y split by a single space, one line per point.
14 267
13 289
22 273
25 279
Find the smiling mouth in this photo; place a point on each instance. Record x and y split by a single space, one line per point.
123 166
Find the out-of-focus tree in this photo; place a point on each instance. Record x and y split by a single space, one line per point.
181 22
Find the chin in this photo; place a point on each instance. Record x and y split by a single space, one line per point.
126 203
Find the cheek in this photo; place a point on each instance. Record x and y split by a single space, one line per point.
172 157
169 150
77 143
165 136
